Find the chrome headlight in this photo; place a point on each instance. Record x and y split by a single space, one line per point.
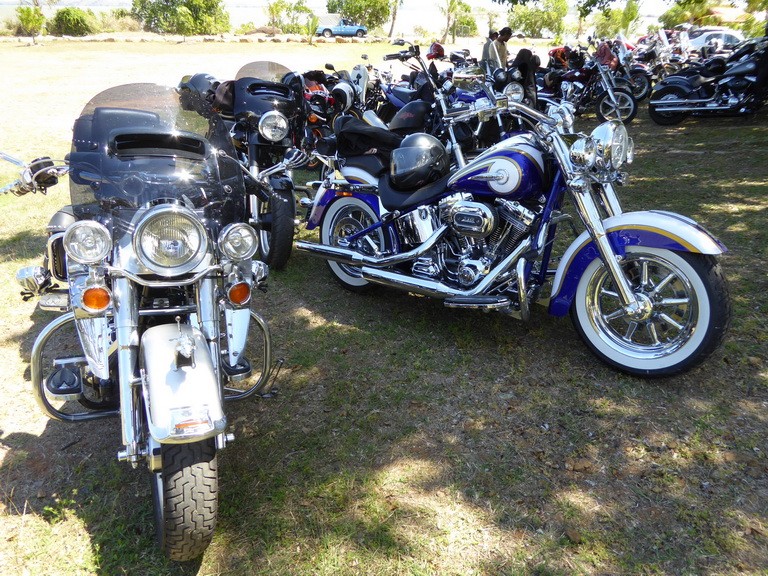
612 143
238 241
273 126
514 91
584 152
170 240
87 242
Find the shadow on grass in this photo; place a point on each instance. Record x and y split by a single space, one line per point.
407 438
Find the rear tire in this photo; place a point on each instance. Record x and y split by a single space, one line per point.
186 501
667 118
346 217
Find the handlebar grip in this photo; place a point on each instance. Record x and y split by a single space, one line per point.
392 56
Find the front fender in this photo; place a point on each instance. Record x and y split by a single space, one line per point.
284 187
653 228
183 402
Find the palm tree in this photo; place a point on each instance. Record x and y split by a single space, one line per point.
451 11
394 5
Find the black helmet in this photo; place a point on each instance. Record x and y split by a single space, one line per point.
196 92
419 160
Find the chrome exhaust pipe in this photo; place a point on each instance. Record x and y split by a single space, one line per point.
667 107
353 258
438 289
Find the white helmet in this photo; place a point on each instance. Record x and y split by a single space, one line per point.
343 96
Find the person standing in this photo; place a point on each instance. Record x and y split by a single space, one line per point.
492 35
499 47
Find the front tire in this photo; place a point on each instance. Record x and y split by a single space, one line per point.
344 218
276 229
667 118
186 501
359 33
624 110
327 33
688 315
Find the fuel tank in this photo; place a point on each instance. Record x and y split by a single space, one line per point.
513 169
411 118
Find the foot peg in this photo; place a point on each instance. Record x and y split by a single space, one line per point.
65 383
238 372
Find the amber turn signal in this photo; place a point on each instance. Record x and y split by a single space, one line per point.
96 299
239 293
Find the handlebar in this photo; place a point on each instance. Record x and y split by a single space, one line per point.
404 55
37 176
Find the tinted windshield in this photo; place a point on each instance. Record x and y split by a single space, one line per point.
264 70
134 146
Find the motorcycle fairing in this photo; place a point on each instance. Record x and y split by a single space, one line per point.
182 395
653 228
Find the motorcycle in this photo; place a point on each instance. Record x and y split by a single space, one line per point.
591 86
265 111
644 289
152 266
740 88
636 73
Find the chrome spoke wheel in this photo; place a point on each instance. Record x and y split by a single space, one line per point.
673 307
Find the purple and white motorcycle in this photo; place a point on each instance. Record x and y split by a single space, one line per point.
644 289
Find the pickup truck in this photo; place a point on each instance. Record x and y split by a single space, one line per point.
344 27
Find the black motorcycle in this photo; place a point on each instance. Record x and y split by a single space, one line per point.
266 113
738 86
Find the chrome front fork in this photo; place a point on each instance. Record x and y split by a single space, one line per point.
594 224
129 381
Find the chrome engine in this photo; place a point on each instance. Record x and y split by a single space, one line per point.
479 235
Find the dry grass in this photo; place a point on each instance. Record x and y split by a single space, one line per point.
408 438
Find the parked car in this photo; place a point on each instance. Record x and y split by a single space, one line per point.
342 27
724 38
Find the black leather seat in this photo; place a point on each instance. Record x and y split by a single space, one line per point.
393 199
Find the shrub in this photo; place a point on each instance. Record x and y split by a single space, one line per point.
31 20
73 22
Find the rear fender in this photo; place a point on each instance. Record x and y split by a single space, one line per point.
326 196
182 396
656 229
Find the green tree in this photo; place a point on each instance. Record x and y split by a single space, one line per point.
533 20
164 16
72 21
453 10
31 21
585 6
275 12
466 25
371 13
610 22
